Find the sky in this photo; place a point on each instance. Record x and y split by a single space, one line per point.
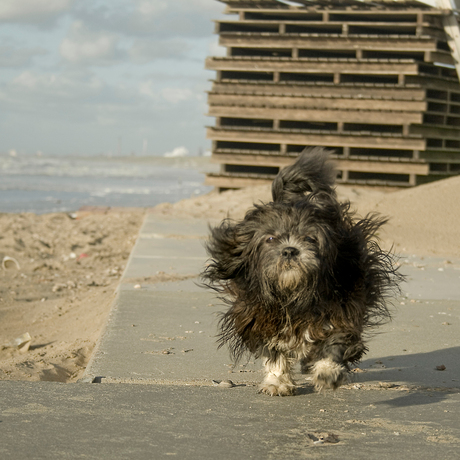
91 77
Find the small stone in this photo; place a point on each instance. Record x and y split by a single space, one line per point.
386 385
357 370
59 287
223 383
332 438
441 367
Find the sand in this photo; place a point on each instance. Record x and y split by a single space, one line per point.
423 220
70 267
62 293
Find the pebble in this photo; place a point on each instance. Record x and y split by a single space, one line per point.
223 383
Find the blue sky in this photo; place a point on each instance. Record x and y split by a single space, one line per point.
97 76
102 76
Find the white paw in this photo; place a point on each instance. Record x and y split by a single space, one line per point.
281 389
328 374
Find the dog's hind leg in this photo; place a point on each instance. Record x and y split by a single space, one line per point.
278 379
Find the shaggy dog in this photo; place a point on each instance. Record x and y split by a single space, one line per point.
303 278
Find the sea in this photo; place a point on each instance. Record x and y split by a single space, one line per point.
45 184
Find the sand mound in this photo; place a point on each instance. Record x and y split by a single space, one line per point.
424 220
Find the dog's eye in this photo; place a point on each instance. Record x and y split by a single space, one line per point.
310 239
270 239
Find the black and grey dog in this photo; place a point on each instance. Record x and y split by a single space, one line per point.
303 278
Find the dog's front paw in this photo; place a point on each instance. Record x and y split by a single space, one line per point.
282 389
328 374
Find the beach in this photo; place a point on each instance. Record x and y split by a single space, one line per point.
69 265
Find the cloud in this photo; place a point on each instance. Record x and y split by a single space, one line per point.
14 57
47 91
32 11
176 95
151 8
109 68
184 18
151 18
84 46
170 95
145 50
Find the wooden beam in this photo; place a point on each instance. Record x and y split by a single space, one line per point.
317 89
322 139
390 167
311 102
318 115
451 28
307 65
379 166
254 160
370 43
234 182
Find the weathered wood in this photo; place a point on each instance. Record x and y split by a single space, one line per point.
437 132
318 115
451 27
354 76
256 160
234 182
383 167
318 103
337 42
390 167
415 92
322 139
307 65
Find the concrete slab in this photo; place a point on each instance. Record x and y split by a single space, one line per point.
43 420
164 336
160 338
164 330
422 337
431 278
167 246
151 266
171 227
158 283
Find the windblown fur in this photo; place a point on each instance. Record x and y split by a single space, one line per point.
303 278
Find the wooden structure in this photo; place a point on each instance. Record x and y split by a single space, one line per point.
373 81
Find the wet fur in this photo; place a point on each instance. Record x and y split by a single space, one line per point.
303 278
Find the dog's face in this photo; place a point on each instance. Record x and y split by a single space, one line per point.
284 247
288 251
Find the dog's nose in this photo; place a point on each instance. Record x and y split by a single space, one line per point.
290 252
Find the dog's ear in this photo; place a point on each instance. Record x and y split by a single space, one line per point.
226 247
311 173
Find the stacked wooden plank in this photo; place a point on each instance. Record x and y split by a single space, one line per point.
373 81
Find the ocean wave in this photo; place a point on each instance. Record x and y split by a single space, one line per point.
47 184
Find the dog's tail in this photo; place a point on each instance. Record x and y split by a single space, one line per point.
311 173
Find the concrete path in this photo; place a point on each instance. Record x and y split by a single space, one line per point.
157 360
